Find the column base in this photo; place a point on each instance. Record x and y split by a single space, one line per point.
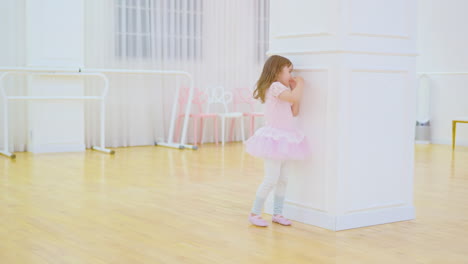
348 221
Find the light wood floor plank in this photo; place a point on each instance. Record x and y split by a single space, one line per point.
159 205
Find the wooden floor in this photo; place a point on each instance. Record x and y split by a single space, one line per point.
159 205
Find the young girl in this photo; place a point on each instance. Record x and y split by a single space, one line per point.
278 140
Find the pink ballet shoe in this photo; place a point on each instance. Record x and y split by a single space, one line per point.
257 220
281 220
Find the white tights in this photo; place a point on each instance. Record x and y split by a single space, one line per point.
274 176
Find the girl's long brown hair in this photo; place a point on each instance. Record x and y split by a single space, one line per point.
271 69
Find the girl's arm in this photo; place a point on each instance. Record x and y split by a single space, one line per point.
295 109
295 95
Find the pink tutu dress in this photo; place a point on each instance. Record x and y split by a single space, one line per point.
278 139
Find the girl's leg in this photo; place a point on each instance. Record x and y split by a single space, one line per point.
280 191
272 174
279 199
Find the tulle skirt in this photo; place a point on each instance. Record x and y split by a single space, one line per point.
279 144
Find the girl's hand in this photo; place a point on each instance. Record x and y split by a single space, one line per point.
292 83
299 80
293 96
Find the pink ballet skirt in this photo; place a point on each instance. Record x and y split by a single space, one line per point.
278 139
278 144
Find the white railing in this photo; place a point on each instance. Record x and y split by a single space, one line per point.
4 72
170 143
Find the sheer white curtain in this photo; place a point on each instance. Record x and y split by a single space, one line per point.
220 42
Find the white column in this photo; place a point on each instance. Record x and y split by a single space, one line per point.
358 60
55 40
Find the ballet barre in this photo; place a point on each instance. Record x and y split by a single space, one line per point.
100 73
170 142
50 72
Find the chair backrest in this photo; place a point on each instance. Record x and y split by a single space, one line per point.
199 99
243 96
217 95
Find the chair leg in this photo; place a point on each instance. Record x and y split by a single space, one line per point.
231 129
242 128
223 120
202 128
252 125
454 133
195 123
216 129
177 130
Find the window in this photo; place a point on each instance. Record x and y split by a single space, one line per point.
159 29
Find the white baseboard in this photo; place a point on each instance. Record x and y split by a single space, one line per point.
374 217
347 221
423 142
458 142
50 148
309 216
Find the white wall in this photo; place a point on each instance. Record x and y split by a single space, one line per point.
54 34
12 24
442 45
12 47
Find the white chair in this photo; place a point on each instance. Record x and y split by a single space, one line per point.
217 95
